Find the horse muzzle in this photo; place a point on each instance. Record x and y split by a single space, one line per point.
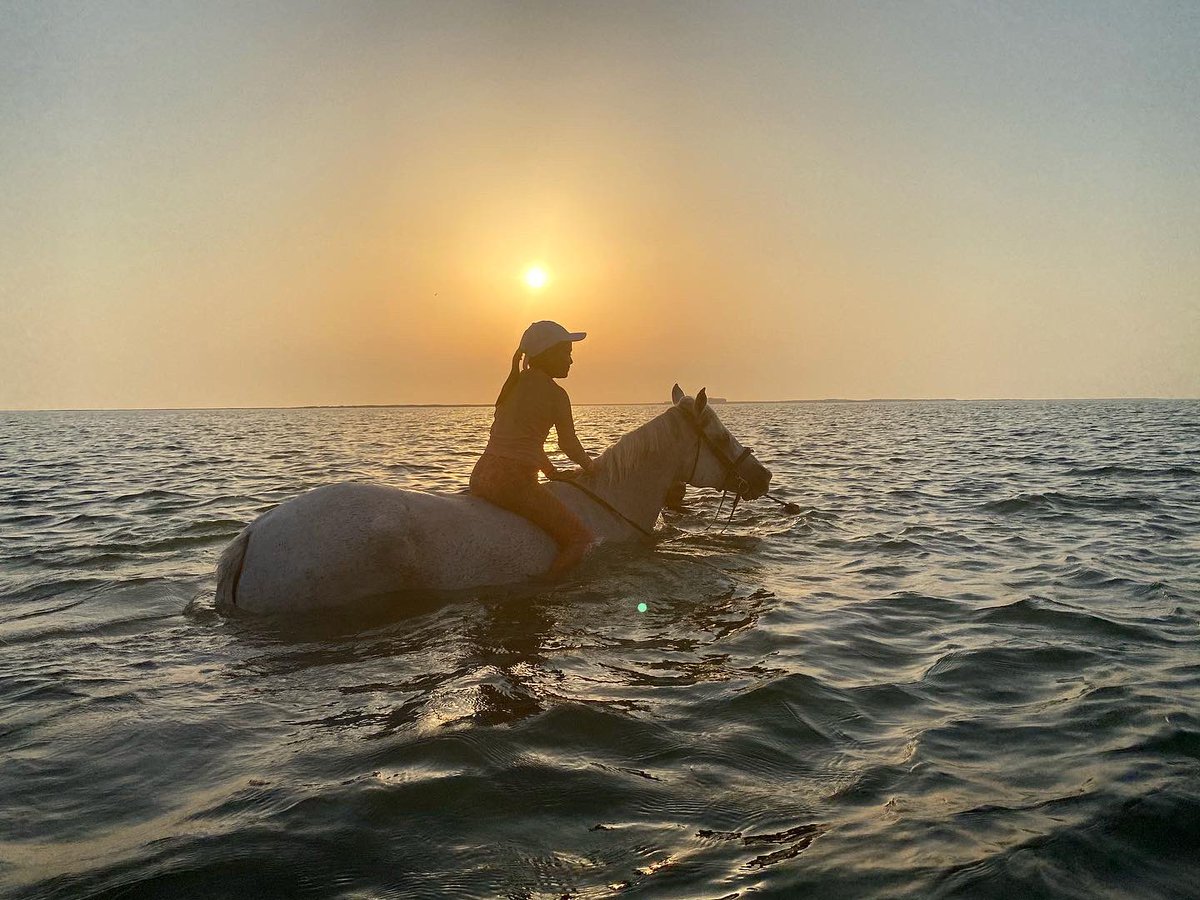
751 480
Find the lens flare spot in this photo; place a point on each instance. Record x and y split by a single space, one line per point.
642 607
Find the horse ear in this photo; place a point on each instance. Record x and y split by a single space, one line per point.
701 401
676 394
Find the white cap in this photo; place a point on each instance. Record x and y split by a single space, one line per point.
541 336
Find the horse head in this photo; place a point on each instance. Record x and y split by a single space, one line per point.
720 461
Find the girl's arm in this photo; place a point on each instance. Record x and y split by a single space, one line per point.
547 466
568 443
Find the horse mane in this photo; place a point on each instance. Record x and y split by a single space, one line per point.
632 450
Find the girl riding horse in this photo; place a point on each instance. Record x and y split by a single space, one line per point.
529 403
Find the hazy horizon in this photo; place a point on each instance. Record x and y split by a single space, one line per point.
303 204
725 400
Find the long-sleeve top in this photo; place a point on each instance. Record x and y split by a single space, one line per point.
524 417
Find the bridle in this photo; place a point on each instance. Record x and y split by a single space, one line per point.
730 466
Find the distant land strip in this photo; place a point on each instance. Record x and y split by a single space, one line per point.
721 401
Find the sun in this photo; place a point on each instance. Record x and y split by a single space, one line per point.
536 277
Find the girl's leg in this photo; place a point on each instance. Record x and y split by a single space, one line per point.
550 514
511 487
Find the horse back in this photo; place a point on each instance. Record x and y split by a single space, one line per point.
337 544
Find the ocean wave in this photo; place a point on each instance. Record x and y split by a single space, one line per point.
1051 618
1056 500
999 675
1140 845
1120 471
1170 742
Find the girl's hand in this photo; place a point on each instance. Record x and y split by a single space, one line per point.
516 360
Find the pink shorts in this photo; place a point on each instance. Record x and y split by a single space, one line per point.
513 485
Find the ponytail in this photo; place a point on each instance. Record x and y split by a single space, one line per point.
511 381
509 384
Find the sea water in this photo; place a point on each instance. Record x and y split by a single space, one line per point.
967 667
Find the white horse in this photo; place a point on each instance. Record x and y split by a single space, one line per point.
338 545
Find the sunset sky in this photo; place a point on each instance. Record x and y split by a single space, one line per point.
257 204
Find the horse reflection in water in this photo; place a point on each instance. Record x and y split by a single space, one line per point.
339 545
507 660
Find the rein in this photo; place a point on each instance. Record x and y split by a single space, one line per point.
730 466
612 509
